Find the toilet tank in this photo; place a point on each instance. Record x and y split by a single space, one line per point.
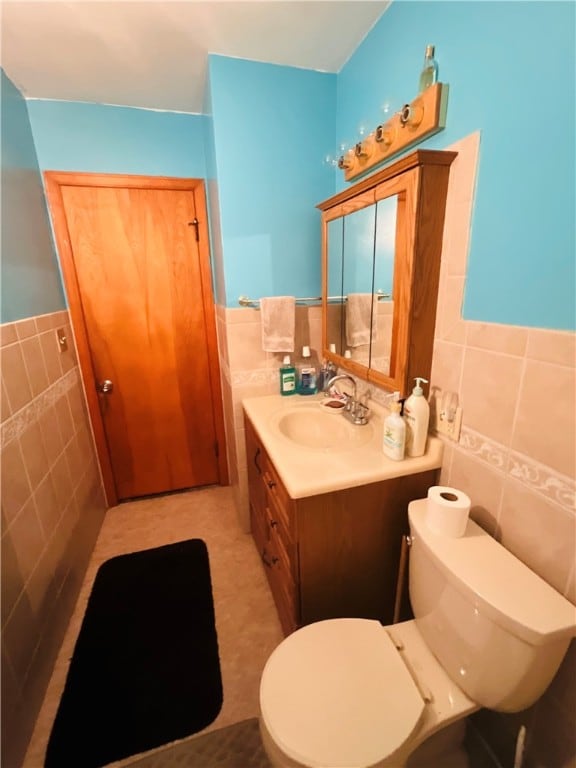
496 627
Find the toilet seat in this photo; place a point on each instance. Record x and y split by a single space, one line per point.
337 693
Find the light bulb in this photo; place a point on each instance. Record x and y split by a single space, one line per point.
388 108
331 160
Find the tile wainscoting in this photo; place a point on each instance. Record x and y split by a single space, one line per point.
52 509
247 371
518 477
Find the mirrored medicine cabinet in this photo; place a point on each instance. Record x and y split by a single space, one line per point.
381 248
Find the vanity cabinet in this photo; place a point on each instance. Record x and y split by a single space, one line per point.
333 554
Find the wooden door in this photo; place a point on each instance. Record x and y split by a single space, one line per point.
145 306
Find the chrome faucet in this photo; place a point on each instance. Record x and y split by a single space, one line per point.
356 411
341 377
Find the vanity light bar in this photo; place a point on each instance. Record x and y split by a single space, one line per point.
421 118
244 301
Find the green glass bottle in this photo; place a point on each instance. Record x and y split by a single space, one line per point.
429 74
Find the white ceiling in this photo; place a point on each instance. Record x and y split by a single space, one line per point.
154 54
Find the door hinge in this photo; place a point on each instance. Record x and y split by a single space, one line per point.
195 223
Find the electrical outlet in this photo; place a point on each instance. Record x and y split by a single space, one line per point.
442 405
449 428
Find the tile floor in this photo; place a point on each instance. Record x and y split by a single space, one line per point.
246 619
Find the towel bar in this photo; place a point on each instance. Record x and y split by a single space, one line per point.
244 301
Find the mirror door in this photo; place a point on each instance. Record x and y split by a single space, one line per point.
360 247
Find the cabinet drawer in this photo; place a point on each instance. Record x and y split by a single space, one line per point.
280 525
285 599
259 527
284 555
277 493
280 570
282 585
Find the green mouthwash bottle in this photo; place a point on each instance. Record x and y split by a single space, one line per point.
287 377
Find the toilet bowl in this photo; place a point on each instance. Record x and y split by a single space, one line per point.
352 693
368 700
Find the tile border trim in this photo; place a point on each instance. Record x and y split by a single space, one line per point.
539 478
255 377
553 485
19 422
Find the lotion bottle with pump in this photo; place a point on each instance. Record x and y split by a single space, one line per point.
417 415
394 438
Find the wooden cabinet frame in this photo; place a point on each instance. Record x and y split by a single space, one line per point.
420 180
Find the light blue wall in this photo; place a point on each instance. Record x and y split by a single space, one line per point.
100 138
511 71
273 125
212 198
29 274
272 128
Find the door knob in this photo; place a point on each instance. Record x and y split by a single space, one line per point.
105 386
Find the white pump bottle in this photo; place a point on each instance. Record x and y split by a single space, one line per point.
394 436
417 416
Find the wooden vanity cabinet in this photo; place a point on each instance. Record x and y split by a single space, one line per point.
272 521
334 554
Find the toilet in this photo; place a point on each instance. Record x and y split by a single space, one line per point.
352 693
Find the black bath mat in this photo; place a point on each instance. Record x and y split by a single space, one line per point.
145 669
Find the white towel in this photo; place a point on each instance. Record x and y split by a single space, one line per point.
278 318
359 311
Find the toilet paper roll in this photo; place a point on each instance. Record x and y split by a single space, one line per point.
447 511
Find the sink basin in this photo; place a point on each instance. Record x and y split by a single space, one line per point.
317 450
311 427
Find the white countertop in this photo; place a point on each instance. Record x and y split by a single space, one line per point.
311 471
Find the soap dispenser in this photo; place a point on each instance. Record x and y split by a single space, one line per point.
394 437
417 415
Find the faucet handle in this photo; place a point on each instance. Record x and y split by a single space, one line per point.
360 413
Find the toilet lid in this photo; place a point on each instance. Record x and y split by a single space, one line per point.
337 693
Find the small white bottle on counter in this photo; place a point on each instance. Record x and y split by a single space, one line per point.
417 415
394 437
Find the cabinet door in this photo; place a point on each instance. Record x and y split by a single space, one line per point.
283 572
388 228
282 511
256 457
279 570
270 522
349 548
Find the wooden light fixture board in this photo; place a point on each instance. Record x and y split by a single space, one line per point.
423 117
